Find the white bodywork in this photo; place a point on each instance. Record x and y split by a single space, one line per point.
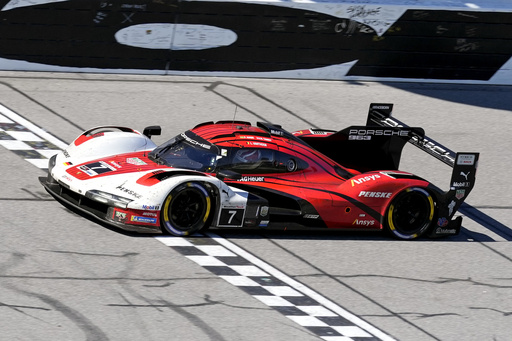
124 184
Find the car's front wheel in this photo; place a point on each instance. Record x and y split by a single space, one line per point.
186 209
410 213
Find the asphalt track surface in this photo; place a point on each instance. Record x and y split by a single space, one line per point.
65 277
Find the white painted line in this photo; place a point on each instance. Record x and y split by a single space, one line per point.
282 291
39 163
215 250
32 127
25 136
274 301
300 287
240 281
15 145
170 241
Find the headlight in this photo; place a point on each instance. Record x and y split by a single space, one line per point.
108 198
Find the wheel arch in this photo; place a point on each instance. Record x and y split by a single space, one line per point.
208 188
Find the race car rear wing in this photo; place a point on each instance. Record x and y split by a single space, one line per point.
464 164
379 114
463 174
378 146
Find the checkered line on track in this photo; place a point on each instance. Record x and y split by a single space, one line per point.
271 291
24 142
235 266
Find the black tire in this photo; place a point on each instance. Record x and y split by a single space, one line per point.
410 214
186 209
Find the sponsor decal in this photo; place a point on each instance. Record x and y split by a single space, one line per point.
445 231
311 216
259 138
432 147
363 222
67 178
423 142
450 207
442 222
66 153
194 142
150 214
465 175
276 132
119 216
466 159
151 207
135 161
129 191
383 195
364 179
378 132
252 143
359 138
461 184
252 178
382 107
115 164
460 193
138 219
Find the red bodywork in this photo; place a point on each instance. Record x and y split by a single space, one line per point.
337 197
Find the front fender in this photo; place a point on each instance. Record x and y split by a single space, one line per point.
103 141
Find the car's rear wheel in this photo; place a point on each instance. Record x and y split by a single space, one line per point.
410 213
186 209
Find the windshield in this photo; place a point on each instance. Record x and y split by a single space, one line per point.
187 150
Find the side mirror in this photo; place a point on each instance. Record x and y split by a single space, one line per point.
226 173
152 130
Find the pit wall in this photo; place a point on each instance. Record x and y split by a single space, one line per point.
393 40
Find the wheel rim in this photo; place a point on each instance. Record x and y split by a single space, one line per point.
411 213
187 209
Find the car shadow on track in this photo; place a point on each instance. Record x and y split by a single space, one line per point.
329 234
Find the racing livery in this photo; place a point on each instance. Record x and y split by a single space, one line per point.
234 174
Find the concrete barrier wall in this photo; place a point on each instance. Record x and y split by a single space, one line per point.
407 40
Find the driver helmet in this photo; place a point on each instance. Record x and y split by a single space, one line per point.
248 155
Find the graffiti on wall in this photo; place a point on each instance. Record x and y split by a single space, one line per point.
303 40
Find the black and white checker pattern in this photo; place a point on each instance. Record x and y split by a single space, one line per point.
33 144
297 302
270 290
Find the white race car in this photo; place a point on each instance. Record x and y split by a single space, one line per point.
109 172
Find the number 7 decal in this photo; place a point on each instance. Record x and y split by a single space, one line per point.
231 217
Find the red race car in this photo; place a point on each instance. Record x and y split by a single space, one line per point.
234 174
